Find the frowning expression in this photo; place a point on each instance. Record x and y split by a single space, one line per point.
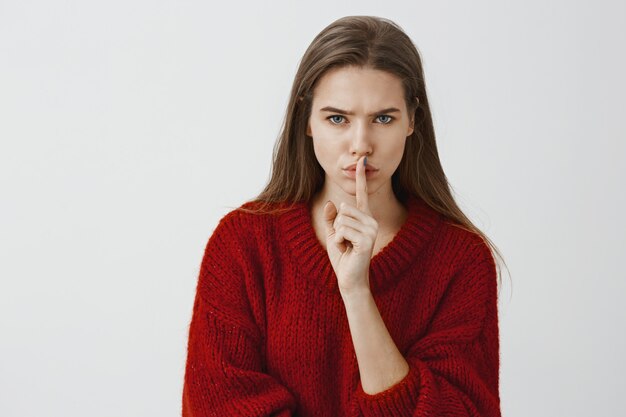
359 111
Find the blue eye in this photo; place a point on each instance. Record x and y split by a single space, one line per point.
331 117
386 115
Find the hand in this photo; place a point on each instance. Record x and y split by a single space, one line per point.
350 236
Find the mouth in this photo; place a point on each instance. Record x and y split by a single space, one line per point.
351 173
368 168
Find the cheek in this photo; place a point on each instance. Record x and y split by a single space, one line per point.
393 155
321 150
400 148
399 151
327 153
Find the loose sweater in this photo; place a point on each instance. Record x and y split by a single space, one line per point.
269 334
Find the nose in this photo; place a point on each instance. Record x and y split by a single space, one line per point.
361 143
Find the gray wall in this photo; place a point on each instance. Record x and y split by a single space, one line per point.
128 128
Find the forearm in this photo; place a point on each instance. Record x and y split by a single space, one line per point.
381 364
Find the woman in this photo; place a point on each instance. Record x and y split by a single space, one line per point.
353 285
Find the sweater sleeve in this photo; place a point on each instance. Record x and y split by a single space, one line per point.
224 373
454 367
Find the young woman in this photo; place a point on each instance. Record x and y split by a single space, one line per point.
353 285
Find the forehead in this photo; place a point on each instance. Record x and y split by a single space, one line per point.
354 87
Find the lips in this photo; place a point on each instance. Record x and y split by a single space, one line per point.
368 167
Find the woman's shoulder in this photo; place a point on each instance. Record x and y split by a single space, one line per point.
251 218
258 211
461 245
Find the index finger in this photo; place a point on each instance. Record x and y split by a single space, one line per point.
362 202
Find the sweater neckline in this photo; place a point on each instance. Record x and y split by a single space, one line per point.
386 267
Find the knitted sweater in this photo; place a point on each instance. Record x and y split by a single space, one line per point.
269 334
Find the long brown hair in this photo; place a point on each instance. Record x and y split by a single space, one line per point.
377 43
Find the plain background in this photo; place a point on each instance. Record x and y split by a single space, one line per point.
128 128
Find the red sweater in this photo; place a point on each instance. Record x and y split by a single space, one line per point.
269 334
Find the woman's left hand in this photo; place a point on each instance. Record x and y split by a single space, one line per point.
350 236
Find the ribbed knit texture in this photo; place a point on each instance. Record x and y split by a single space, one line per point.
269 335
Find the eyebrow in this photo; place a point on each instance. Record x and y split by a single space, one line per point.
336 110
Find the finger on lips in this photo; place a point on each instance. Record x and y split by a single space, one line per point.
361 185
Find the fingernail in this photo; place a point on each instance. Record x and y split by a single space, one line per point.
365 161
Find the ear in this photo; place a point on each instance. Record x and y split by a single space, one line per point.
308 128
411 126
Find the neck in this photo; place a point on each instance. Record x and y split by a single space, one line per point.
383 203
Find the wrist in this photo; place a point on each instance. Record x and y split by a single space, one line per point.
353 295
